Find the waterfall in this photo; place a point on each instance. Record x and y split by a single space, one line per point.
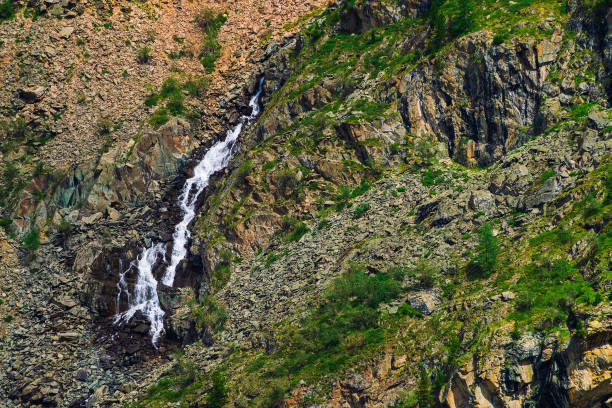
215 159
144 297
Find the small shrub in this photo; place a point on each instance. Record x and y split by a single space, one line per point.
546 175
175 104
197 86
221 275
244 170
31 241
7 224
515 333
287 182
425 396
432 177
271 258
209 20
499 38
144 55
105 125
296 230
152 100
360 210
8 318
426 273
209 314
407 310
159 117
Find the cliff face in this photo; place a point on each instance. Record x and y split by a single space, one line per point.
419 217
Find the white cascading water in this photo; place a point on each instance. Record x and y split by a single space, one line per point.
145 298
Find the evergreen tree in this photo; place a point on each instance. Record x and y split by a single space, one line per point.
487 249
217 396
424 391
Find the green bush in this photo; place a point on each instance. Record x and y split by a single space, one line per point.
210 22
8 318
31 241
64 230
425 395
432 177
426 273
294 230
7 10
144 55
105 125
159 117
197 86
287 182
7 225
361 209
499 38
547 291
152 100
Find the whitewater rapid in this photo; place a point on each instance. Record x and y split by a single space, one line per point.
144 298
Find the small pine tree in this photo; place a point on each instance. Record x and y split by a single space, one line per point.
488 249
485 261
438 24
424 391
217 396
464 23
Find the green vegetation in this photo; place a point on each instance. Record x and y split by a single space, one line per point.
360 210
217 396
144 55
7 224
548 289
174 386
31 240
432 177
210 22
173 93
345 194
294 230
334 334
7 10
209 314
485 261
159 117
580 112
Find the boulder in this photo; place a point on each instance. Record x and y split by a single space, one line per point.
599 119
482 201
31 94
66 32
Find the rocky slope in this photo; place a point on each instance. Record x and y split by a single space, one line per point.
419 217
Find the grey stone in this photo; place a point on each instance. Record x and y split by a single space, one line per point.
66 32
482 200
507 295
81 375
599 119
32 95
